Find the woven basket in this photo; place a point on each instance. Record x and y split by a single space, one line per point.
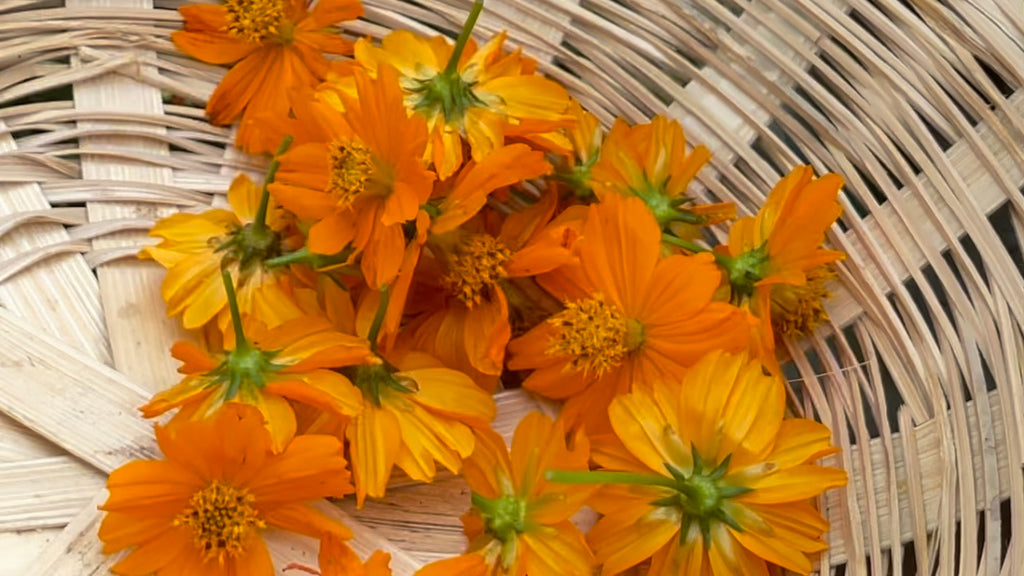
918 103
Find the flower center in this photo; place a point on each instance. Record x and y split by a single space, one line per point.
254 20
221 518
596 334
351 166
797 310
476 267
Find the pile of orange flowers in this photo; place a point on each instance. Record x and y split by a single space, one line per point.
438 221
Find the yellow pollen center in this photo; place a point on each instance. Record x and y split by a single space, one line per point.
351 166
797 310
596 334
476 267
254 20
221 518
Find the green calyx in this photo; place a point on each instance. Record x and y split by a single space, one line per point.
701 496
374 380
667 209
504 516
245 367
251 245
447 94
745 270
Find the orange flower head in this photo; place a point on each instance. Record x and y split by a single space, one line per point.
296 361
629 316
705 476
465 322
478 95
272 46
520 522
195 247
774 261
202 509
651 161
361 177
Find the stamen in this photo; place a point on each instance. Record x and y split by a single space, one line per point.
221 518
797 310
476 267
351 166
254 20
595 333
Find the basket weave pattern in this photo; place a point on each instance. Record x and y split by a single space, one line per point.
918 103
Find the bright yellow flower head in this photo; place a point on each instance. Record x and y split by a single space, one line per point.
707 478
520 521
195 247
480 95
203 508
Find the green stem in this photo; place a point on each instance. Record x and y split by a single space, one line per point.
378 318
684 244
608 477
299 256
236 316
460 44
259 222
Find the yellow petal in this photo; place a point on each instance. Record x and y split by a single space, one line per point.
374 439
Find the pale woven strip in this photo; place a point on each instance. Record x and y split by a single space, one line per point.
883 82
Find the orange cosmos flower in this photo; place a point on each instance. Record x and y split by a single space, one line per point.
651 161
273 46
705 476
520 522
466 319
361 177
480 95
629 315
202 509
294 361
195 247
774 261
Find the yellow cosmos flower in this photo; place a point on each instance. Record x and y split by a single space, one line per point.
651 161
774 261
294 360
415 414
520 521
707 477
202 509
195 247
480 95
